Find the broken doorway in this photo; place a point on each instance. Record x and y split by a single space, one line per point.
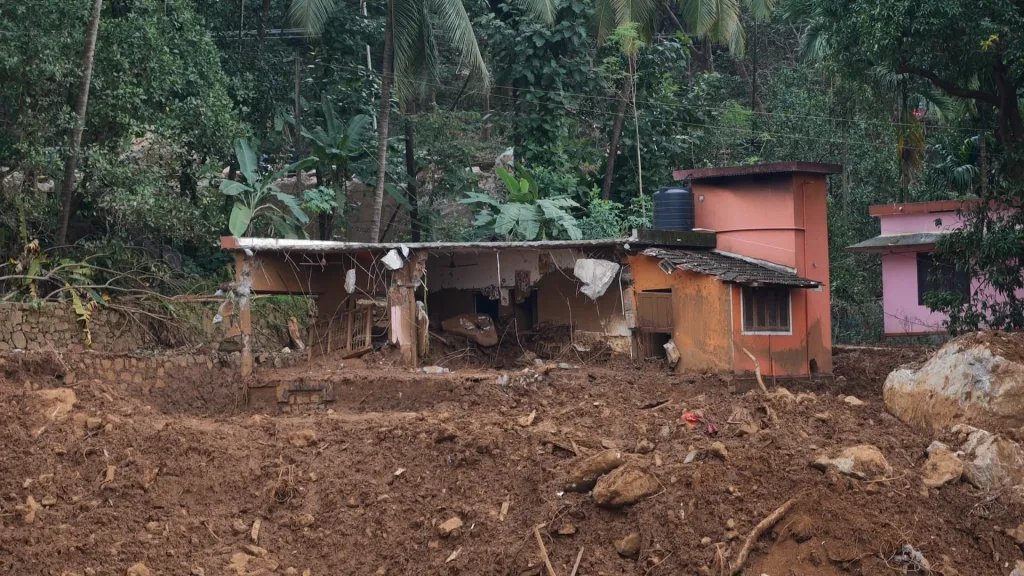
655 322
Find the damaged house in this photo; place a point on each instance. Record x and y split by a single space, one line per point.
736 271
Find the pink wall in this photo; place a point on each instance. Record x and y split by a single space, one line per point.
922 222
903 315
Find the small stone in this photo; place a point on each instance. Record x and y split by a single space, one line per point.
450 525
644 446
303 520
29 510
139 569
48 501
658 461
302 438
624 486
197 571
705 541
863 462
566 529
434 545
239 527
942 467
1017 534
718 449
93 423
806 397
585 474
257 551
749 429
154 527
854 401
730 524
731 535
527 420
629 547
823 416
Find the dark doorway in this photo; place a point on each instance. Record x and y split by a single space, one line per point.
652 344
484 305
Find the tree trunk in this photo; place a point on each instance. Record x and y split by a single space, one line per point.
485 131
613 146
755 105
298 106
263 21
846 170
68 185
410 170
382 133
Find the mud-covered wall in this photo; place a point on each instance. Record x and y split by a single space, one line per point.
55 326
701 311
559 301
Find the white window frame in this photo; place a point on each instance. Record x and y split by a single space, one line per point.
743 330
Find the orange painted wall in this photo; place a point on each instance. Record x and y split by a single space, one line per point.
780 219
753 216
701 312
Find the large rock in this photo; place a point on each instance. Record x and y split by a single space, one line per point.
990 460
942 466
477 327
585 474
863 462
976 375
625 485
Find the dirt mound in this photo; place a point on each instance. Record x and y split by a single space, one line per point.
380 473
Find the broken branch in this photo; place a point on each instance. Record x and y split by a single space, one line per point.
756 533
757 369
576 566
543 550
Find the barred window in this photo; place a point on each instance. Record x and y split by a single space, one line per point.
766 309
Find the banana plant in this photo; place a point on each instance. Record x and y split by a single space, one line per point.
526 215
255 196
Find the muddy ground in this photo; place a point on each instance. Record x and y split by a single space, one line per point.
117 478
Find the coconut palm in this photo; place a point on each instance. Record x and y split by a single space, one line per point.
410 55
717 21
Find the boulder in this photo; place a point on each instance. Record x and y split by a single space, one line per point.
990 460
585 474
477 327
863 462
625 485
977 375
942 466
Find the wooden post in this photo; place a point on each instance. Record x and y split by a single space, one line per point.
368 338
348 330
402 300
243 274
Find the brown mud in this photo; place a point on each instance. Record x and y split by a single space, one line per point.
120 477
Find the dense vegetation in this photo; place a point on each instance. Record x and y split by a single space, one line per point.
192 105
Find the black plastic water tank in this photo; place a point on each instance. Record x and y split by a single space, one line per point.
673 209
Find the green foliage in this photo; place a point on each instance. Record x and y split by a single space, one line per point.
255 197
527 215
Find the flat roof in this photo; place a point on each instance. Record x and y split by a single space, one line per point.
890 241
232 243
919 207
757 169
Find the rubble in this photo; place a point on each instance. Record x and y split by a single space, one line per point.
863 462
966 379
478 328
942 467
990 460
585 474
450 525
629 546
624 486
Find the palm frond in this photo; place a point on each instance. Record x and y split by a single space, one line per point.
310 15
700 15
638 12
544 10
604 19
455 24
760 9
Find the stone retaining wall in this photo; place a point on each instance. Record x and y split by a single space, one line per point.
55 326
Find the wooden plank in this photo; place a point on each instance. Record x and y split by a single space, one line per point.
368 335
348 330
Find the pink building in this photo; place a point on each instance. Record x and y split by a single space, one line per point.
907 245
